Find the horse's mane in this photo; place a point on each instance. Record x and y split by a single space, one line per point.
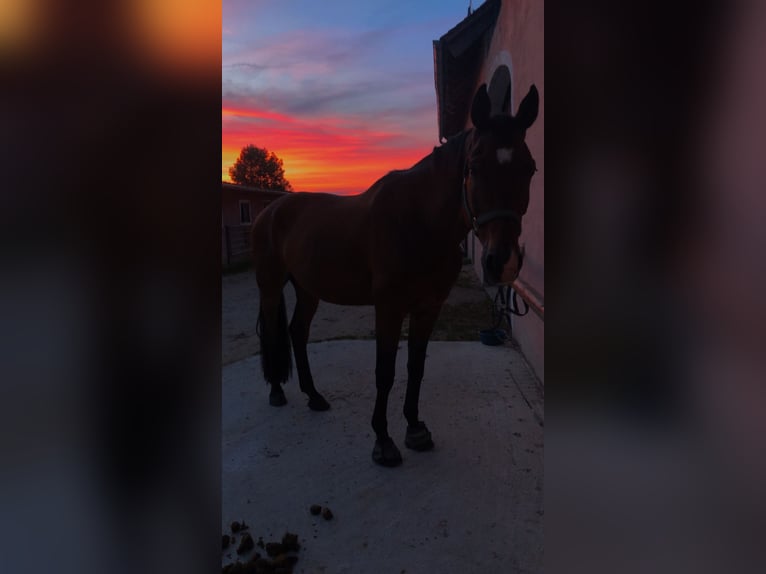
452 150
448 155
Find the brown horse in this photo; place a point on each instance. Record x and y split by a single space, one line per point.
395 246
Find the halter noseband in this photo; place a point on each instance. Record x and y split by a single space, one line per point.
477 222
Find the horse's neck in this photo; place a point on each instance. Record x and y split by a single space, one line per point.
448 163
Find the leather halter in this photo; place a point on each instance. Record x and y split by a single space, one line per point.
484 218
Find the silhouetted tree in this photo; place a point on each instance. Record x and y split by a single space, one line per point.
260 168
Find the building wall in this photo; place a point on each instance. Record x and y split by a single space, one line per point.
517 42
230 205
230 217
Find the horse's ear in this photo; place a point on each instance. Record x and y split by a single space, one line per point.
481 107
528 108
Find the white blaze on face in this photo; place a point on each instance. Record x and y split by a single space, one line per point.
504 155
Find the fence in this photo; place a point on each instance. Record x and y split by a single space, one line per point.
236 244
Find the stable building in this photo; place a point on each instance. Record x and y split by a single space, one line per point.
240 205
501 44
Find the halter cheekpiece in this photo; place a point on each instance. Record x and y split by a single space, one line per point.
484 218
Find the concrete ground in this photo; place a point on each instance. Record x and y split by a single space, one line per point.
473 504
467 309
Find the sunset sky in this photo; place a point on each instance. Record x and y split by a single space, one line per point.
341 90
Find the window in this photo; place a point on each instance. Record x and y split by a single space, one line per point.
244 211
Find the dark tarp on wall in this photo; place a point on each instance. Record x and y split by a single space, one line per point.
458 58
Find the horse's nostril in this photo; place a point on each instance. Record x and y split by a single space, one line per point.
493 264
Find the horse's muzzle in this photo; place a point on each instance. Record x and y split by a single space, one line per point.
502 265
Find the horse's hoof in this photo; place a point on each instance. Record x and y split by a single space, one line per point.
277 399
317 403
385 453
418 437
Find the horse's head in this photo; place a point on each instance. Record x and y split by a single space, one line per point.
498 170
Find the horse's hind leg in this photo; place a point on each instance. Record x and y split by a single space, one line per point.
275 344
272 329
305 308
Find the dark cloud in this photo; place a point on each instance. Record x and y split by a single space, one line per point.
246 66
318 72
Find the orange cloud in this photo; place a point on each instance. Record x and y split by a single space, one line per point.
328 154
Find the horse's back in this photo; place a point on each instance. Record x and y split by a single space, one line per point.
289 215
322 240
355 250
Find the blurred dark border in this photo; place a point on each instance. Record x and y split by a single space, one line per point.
111 286
110 281
654 398
630 82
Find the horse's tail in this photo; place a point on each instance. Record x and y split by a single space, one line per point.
276 357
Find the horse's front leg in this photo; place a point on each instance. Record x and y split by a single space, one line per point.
388 326
421 325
